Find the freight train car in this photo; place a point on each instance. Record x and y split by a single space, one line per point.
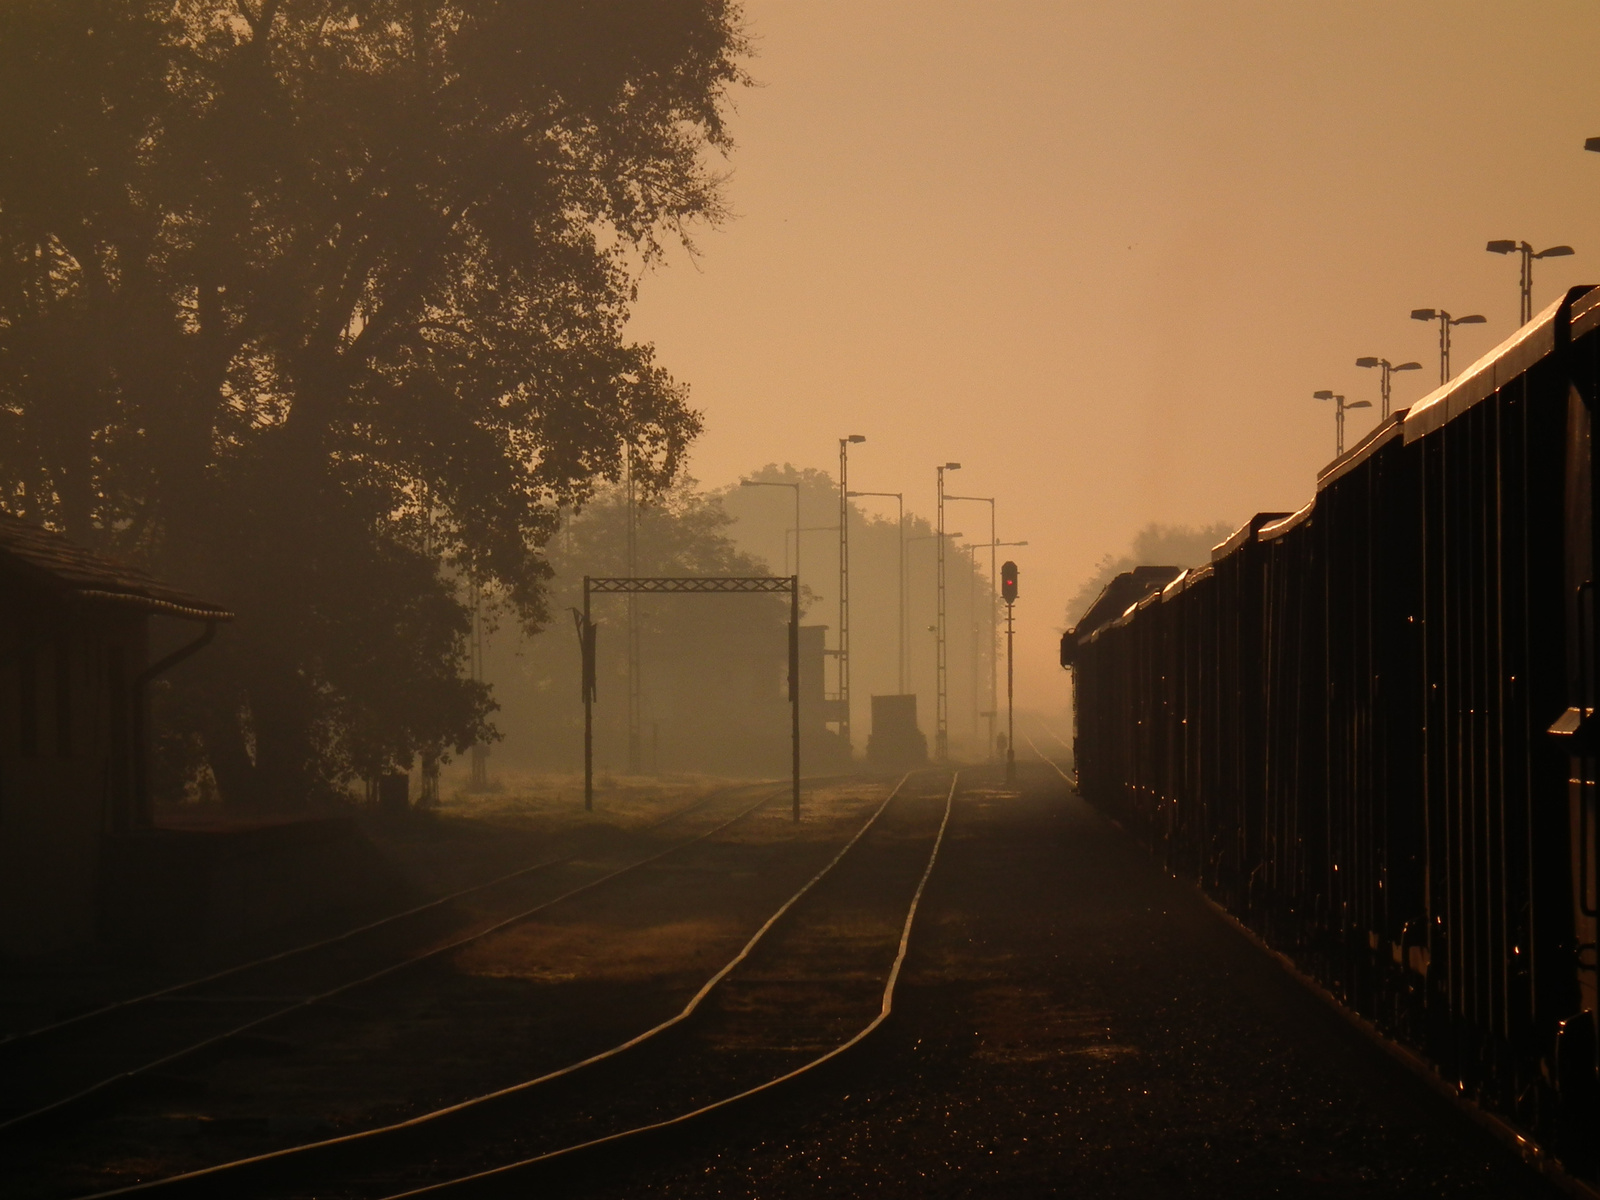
1367 728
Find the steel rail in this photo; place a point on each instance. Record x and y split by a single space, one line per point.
166 1060
13 1039
688 1010
886 1006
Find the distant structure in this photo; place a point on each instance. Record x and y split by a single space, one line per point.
822 750
896 743
74 669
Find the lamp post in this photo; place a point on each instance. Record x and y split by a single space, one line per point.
1506 246
993 675
1388 369
941 705
1446 323
926 537
900 501
844 584
1340 404
796 487
789 534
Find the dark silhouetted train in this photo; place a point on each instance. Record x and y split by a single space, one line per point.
1368 730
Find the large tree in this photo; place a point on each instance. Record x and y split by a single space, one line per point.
317 306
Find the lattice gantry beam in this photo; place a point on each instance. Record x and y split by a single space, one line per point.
693 583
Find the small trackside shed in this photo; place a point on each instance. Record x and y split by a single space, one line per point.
74 667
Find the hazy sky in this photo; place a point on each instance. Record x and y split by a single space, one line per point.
1103 253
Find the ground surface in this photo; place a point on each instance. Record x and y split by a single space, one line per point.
1077 1024
1071 1022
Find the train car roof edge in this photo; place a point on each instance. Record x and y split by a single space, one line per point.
1384 433
1278 528
1243 534
1534 341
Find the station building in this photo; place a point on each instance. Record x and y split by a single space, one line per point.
74 670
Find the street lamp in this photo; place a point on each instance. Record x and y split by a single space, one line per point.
994 684
900 501
1388 369
1340 404
789 535
1446 323
1505 246
940 699
796 487
844 584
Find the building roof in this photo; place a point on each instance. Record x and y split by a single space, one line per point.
49 557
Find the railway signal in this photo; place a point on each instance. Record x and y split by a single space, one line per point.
1008 593
1506 246
1446 323
1389 369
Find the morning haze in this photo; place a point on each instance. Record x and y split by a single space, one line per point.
494 701
1102 254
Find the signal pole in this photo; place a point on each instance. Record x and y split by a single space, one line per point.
1008 593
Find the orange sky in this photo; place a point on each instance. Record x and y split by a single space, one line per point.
1102 253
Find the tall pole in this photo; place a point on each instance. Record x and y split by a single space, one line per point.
904 626
994 623
941 702
844 590
635 682
1525 312
796 487
900 504
1446 323
794 683
587 646
844 584
994 628
1011 718
480 749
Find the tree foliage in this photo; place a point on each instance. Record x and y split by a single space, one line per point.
317 306
1156 546
712 666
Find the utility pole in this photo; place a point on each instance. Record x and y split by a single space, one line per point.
1008 592
844 583
941 700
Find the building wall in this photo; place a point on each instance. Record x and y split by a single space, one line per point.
66 760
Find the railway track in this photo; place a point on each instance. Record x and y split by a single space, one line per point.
61 1067
169 991
815 978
